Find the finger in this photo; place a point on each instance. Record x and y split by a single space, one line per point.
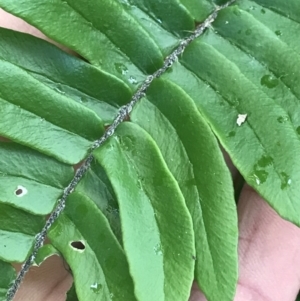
12 22
9 21
269 253
49 282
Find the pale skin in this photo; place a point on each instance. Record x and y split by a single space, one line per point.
269 247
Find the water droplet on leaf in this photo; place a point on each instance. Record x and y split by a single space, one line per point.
260 175
121 68
59 89
96 287
286 181
269 81
282 119
132 80
158 250
231 134
83 99
265 161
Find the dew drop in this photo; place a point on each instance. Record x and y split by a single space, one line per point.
263 11
132 80
121 68
265 161
286 181
282 119
59 90
278 33
158 250
96 287
269 81
83 99
231 134
260 176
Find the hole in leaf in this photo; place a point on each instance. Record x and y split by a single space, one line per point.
20 191
78 245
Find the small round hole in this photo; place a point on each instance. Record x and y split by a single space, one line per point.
19 191
78 245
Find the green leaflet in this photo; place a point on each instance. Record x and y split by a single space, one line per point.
71 295
255 137
288 9
96 90
200 9
27 194
53 114
6 276
150 204
15 246
96 186
99 268
82 36
44 253
31 179
198 166
14 160
161 12
62 234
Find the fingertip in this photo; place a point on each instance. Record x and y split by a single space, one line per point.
269 252
49 282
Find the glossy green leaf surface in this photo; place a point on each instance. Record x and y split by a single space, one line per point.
74 236
27 194
199 177
96 90
71 295
44 253
150 201
6 276
264 168
96 186
157 207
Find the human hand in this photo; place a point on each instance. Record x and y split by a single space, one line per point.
269 253
269 247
